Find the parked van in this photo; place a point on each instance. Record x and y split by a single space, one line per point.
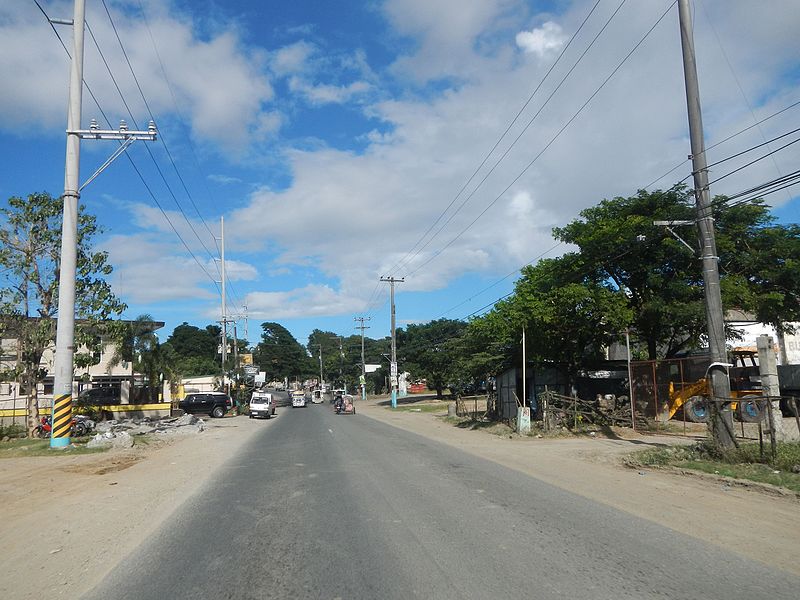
262 404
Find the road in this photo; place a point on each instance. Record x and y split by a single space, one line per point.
332 506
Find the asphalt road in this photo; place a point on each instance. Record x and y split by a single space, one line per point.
340 506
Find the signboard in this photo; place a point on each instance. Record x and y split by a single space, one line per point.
261 377
362 380
246 359
251 369
393 372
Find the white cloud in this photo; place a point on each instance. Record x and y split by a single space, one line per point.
328 94
543 40
311 300
223 179
353 216
228 113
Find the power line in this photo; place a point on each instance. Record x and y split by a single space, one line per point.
486 289
552 140
722 141
130 159
521 133
152 117
500 139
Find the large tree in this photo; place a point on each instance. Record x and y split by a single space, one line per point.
567 322
280 355
30 250
195 349
429 351
661 277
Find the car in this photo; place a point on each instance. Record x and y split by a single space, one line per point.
298 398
262 404
213 404
100 396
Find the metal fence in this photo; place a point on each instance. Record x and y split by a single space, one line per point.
651 381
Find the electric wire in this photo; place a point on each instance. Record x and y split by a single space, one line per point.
521 133
160 137
722 141
502 136
754 161
130 159
180 117
736 79
552 140
234 295
486 289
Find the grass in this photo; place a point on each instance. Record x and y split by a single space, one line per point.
739 463
36 447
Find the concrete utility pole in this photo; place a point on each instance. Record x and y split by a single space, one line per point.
224 308
393 366
363 381
320 368
64 363
721 422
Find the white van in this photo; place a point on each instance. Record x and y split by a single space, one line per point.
262 404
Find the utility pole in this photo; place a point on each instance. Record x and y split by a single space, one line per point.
64 364
363 381
393 366
721 422
320 368
224 309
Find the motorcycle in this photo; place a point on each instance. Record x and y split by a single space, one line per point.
81 425
344 405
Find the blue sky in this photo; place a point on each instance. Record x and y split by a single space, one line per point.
332 135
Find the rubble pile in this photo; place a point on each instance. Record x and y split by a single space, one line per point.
120 433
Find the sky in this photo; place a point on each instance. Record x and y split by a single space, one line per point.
345 141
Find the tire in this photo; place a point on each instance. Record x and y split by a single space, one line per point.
268 415
251 416
39 432
218 412
751 409
696 409
80 429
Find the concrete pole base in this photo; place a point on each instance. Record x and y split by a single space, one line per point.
523 420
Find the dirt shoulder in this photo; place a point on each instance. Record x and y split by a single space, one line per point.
67 520
740 519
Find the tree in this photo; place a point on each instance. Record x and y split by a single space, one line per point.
659 276
138 344
429 351
566 322
195 349
30 249
280 355
662 279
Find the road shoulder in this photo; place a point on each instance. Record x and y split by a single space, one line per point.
68 520
750 523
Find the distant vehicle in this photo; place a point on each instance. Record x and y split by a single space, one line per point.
316 397
214 404
100 396
262 404
298 398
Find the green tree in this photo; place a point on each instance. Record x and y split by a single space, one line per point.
759 263
195 349
430 352
659 276
566 322
30 249
662 278
138 344
280 355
